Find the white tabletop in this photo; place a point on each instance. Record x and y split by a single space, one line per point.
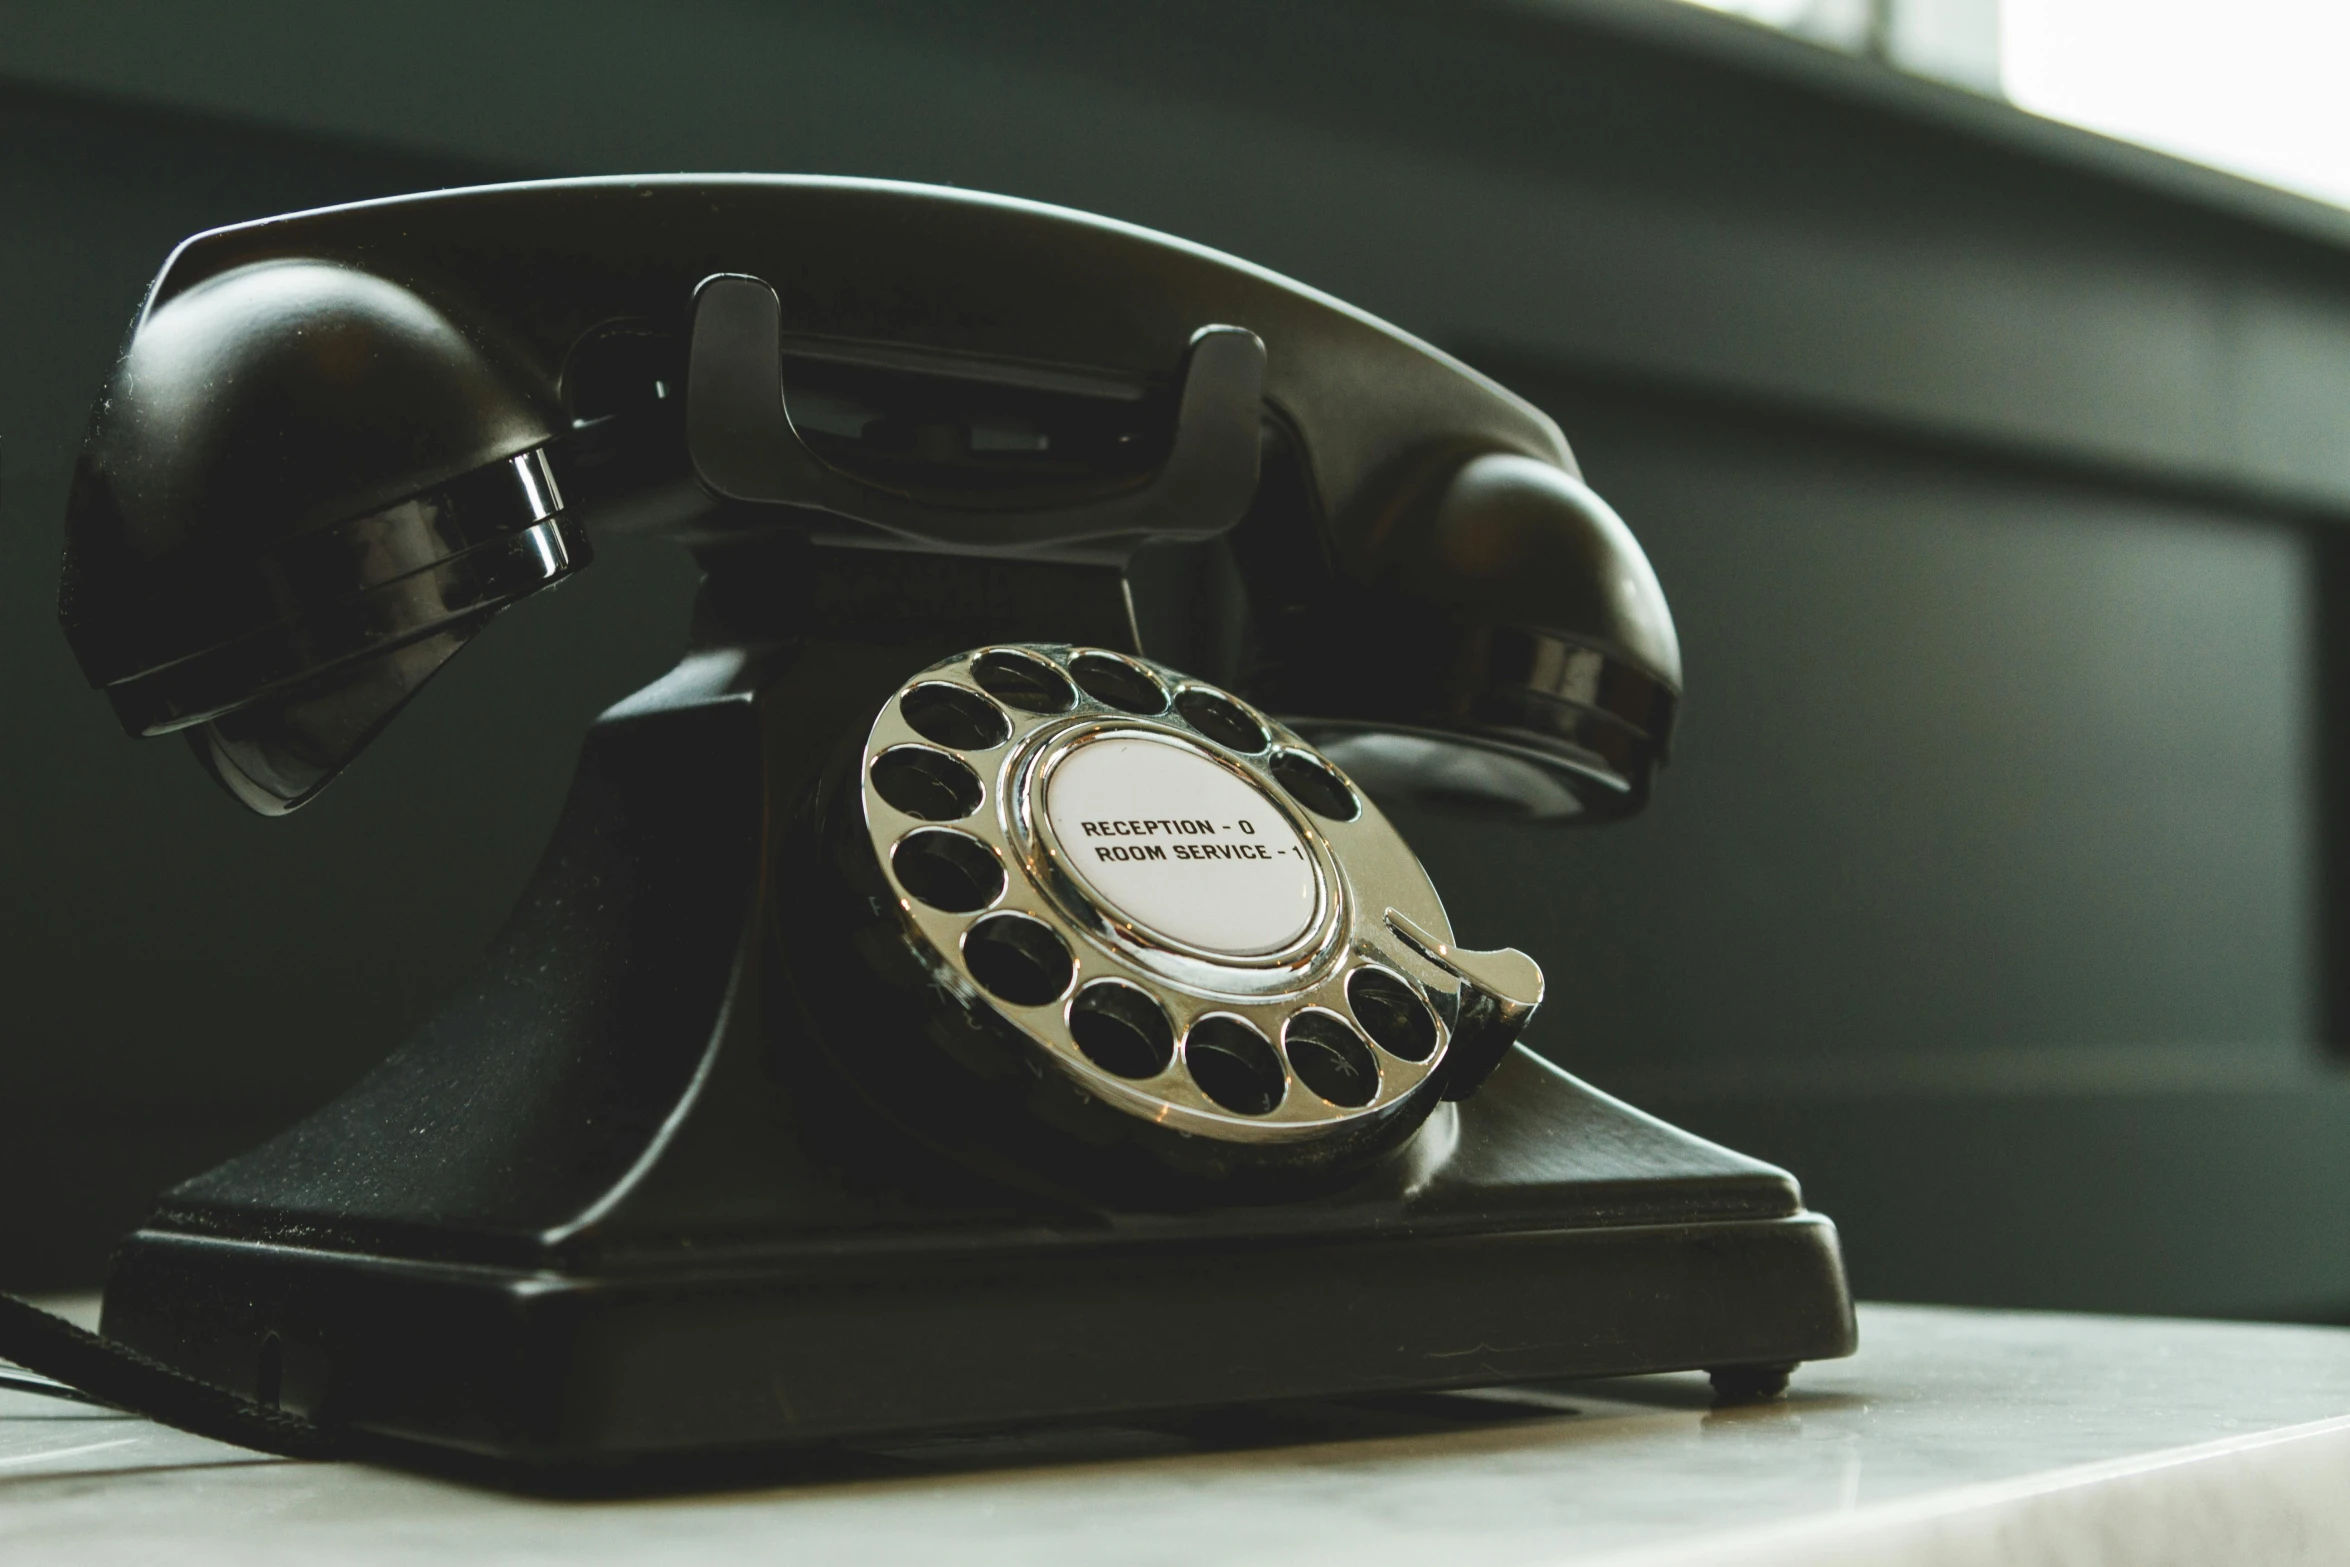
1954 1437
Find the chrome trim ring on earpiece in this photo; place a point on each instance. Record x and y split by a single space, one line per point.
1229 969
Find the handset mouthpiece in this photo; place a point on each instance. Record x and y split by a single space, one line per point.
306 488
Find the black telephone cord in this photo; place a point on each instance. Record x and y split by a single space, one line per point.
97 1370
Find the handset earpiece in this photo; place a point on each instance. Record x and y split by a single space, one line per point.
306 487
1506 648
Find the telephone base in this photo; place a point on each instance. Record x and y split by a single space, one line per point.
1639 1249
609 1209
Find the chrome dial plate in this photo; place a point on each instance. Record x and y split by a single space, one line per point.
1174 899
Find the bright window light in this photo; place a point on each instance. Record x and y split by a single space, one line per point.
2258 87
1844 24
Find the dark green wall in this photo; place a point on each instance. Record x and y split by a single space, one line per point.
1983 462
1982 891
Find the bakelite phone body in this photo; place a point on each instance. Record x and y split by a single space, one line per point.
937 1007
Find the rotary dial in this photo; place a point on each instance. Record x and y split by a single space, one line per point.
1174 899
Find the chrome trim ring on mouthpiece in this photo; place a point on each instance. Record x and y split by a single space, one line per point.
1178 902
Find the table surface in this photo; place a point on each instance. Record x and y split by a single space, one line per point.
1952 1437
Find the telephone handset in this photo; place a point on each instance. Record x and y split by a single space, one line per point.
947 976
336 443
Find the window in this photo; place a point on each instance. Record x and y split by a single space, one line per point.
2249 86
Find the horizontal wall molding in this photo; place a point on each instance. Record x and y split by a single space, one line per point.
1565 385
2189 1202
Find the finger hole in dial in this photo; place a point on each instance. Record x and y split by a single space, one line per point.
1314 784
951 871
1024 681
1114 682
950 716
1121 1029
927 784
1397 1020
1234 1065
1222 721
1331 1059
1017 959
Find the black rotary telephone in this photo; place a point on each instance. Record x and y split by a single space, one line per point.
936 1008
